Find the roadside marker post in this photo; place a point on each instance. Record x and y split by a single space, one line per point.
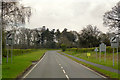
117 56
113 57
96 50
100 56
102 48
105 54
115 44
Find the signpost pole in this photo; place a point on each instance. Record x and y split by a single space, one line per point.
7 53
96 50
7 49
105 54
0 46
113 56
1 26
11 47
117 55
102 49
96 54
115 44
11 53
100 56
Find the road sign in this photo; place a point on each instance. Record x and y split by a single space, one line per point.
114 45
88 54
96 50
114 39
114 42
9 39
102 47
9 42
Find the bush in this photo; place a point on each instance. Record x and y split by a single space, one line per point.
63 46
85 50
17 52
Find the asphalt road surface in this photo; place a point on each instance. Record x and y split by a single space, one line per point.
55 65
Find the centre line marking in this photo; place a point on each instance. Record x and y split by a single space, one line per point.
62 67
64 71
67 77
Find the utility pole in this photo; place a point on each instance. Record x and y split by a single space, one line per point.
1 4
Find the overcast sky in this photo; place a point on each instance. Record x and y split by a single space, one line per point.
70 14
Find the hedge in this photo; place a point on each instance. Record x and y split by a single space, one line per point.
84 50
17 52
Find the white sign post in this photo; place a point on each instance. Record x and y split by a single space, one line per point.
117 56
10 43
96 50
102 48
114 44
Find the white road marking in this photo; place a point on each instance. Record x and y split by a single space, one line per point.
64 71
90 70
34 67
61 67
86 67
67 77
94 71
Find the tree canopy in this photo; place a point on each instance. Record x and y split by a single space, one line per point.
112 18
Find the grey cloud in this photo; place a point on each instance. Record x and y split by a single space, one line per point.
72 14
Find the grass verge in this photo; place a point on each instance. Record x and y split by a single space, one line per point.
20 63
105 73
92 58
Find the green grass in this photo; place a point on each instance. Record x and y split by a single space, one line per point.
0 72
101 71
92 58
20 63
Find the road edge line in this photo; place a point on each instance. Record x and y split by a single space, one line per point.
86 67
33 67
91 70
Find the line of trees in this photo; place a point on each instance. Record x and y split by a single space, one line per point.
24 38
90 36
13 14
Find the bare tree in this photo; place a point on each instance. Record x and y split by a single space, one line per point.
112 18
13 14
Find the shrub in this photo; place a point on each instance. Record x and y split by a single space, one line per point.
85 50
17 52
63 46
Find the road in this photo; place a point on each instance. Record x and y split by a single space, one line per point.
55 65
